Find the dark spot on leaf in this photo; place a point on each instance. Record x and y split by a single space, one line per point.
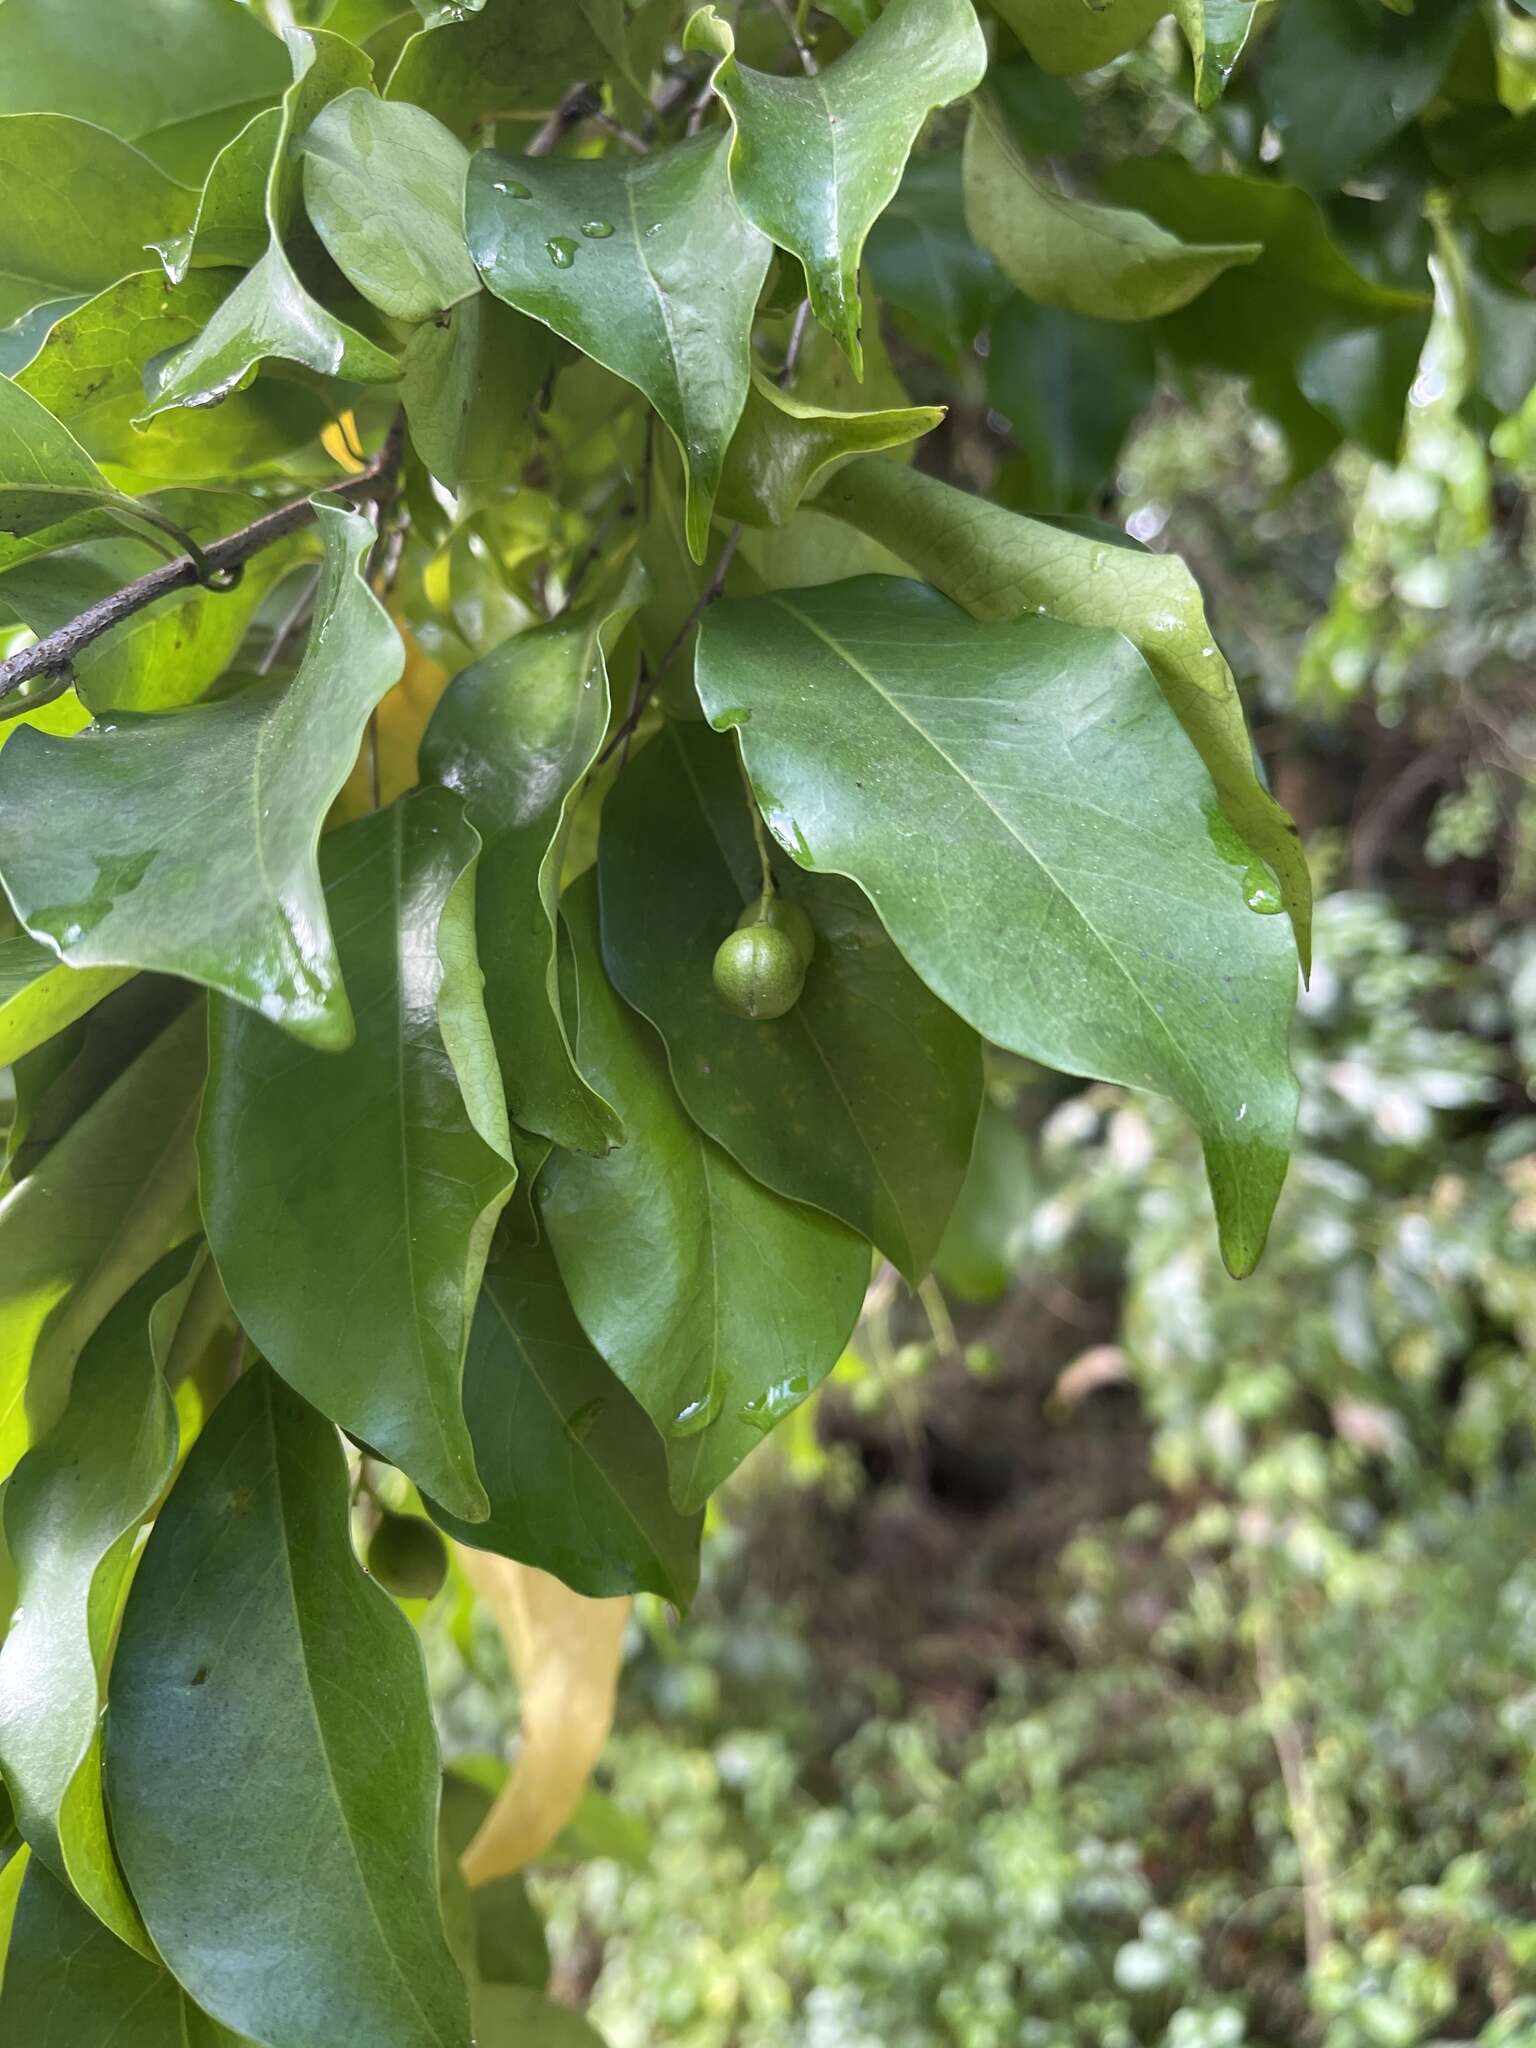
200 1675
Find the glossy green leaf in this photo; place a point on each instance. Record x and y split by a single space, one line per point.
70 1984
987 1237
510 2016
125 872
270 313
39 997
89 374
874 1084
272 1771
469 385
230 225
1000 566
51 492
116 1191
384 188
1102 261
648 266
1071 390
82 206
72 1509
1041 842
502 56
576 1473
1064 36
515 734
1340 78
177 77
1256 322
817 160
719 1304
1217 32
784 447
349 1199
923 262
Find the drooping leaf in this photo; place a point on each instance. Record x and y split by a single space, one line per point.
1000 566
817 160
273 1783
1103 261
110 1196
1042 843
514 735
1340 78
566 1652
384 188
784 447
719 1304
648 266
1071 389
39 997
502 56
72 1509
511 2016
68 1982
507 1942
127 872
177 77
576 1474
987 1238
89 374
469 385
923 262
1064 36
349 1199
230 225
1217 32
90 205
270 313
874 1084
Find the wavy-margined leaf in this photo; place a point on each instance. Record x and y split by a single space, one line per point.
1064 36
923 261
469 384
817 160
70 1984
1039 843
349 1199
39 997
576 1474
177 77
1217 32
81 207
1340 78
72 1511
515 734
566 1652
1104 261
115 1191
646 264
89 374
269 313
1000 565
783 447
187 842
505 54
874 1084
272 1772
230 225
718 1303
384 189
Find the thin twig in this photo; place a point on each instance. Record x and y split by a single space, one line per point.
580 104
796 338
711 591
53 656
1296 1776
802 47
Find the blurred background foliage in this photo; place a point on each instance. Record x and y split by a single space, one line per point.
1114 1653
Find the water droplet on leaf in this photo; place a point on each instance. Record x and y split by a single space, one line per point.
697 1415
581 1421
562 251
514 188
597 230
1259 891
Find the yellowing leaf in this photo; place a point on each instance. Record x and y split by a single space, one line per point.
566 1651
399 722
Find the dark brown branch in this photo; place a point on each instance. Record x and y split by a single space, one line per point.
53 657
648 688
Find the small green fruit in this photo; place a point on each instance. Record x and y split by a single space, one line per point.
759 972
407 1557
783 916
